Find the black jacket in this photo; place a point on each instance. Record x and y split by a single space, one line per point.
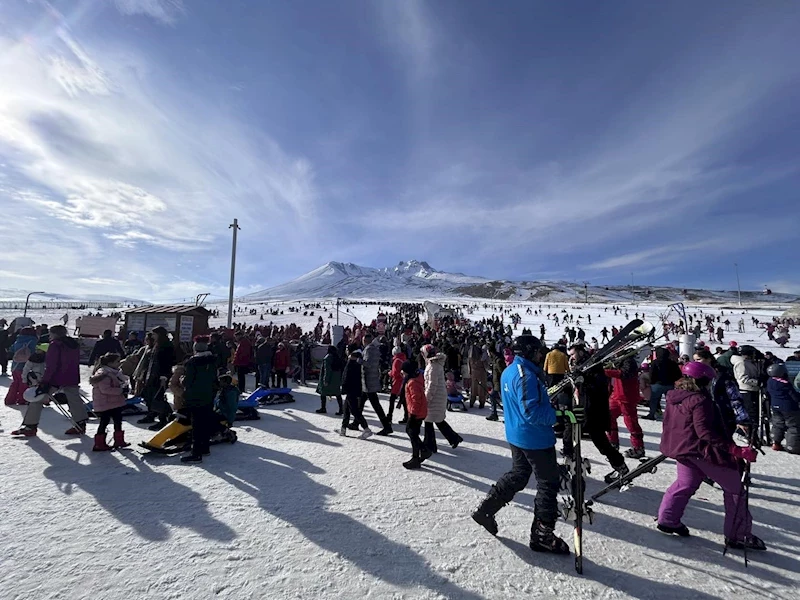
105 346
351 382
264 353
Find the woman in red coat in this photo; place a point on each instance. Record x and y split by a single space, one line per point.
242 359
417 405
396 375
624 400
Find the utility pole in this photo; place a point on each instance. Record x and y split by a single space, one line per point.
236 228
586 291
738 285
337 310
27 299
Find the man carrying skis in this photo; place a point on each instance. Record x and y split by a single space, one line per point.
529 420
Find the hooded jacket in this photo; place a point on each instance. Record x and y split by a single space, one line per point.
22 341
244 353
396 373
200 380
62 363
416 402
783 396
693 428
529 416
107 389
746 373
351 380
372 367
435 388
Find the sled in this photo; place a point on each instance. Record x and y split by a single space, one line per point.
176 435
246 410
456 403
270 396
132 407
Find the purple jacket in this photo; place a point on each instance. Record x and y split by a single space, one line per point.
694 429
62 363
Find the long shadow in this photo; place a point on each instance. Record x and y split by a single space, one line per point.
132 492
695 548
791 482
292 426
301 502
646 501
632 585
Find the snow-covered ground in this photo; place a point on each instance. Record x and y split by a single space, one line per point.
294 511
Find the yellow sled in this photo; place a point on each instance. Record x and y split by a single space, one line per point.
170 438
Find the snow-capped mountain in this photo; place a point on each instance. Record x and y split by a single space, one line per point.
418 280
12 295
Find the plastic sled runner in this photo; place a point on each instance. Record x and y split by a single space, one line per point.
455 403
246 410
132 406
177 434
269 396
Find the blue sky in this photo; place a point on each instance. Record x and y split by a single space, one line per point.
553 140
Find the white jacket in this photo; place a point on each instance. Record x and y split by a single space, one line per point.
435 388
746 374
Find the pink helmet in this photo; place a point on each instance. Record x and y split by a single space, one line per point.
698 370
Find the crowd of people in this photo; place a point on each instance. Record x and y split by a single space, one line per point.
707 397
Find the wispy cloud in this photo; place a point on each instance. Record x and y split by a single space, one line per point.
164 11
90 143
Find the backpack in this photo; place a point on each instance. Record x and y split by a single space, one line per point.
22 355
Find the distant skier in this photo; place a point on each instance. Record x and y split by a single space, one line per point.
604 332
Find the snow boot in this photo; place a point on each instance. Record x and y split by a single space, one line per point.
681 530
119 440
366 434
148 418
192 458
386 430
484 514
617 473
25 431
777 447
100 444
544 539
342 431
455 444
635 453
78 429
412 464
321 411
492 417
751 542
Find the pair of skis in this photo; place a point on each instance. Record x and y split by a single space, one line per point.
573 507
623 483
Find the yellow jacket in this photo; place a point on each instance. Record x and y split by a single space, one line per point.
556 363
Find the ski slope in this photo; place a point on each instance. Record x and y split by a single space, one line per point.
295 511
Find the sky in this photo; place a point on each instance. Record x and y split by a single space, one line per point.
576 140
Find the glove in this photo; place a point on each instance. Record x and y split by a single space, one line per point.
42 389
580 414
744 452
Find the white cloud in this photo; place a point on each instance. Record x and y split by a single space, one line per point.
164 11
98 152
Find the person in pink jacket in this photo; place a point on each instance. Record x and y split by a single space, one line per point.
109 393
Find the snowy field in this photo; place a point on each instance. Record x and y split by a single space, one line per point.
294 511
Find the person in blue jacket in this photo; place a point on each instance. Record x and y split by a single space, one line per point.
529 420
785 402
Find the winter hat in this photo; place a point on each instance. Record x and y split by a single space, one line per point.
732 344
397 350
409 368
428 350
201 343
